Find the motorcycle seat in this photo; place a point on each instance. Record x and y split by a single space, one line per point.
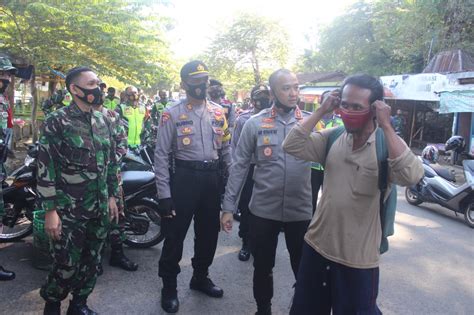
134 180
443 172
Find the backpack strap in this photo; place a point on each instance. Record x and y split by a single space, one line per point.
336 133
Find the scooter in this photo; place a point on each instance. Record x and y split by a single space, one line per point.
439 186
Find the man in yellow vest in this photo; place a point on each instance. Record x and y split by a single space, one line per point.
133 113
111 101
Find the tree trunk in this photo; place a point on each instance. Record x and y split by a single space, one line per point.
256 69
34 105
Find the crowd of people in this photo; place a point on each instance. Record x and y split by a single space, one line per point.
212 161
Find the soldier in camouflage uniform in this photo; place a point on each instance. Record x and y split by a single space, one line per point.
152 121
6 72
77 185
117 230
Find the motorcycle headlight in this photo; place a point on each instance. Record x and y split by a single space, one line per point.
29 160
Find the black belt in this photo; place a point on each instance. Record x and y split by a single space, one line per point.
211 165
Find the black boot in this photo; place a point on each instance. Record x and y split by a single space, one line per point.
52 308
244 253
169 296
78 306
6 275
206 286
118 259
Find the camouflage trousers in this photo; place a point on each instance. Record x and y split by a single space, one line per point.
117 230
75 258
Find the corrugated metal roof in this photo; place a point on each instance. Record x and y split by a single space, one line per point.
315 77
450 61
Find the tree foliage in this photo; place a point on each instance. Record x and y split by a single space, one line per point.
246 49
386 36
112 37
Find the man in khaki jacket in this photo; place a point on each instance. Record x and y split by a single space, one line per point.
339 266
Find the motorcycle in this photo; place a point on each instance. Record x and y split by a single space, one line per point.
142 222
439 186
20 199
138 159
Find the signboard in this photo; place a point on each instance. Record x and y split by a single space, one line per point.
418 87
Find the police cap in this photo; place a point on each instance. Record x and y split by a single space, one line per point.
194 69
259 90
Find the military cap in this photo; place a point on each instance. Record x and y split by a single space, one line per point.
6 65
194 69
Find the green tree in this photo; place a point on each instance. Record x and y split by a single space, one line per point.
246 49
385 36
113 37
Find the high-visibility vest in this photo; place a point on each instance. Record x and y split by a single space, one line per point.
134 116
111 103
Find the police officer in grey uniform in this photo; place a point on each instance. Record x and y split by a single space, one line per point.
216 94
195 132
260 99
281 196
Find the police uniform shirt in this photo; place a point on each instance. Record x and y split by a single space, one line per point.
282 187
239 125
191 133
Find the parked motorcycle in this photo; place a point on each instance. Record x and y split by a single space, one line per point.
138 159
20 199
439 185
142 222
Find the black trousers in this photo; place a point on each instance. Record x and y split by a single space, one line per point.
195 194
263 244
323 285
317 178
244 201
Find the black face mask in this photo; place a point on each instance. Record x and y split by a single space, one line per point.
4 86
91 96
285 108
262 103
197 91
110 96
164 101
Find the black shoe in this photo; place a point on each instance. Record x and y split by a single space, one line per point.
79 308
118 259
206 286
100 270
6 275
52 308
169 301
244 253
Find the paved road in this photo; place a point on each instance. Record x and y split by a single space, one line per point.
428 270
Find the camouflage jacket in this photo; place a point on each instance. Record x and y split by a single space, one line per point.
119 134
77 168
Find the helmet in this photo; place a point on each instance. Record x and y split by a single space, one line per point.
430 153
455 143
260 90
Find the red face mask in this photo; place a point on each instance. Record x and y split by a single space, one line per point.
355 120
